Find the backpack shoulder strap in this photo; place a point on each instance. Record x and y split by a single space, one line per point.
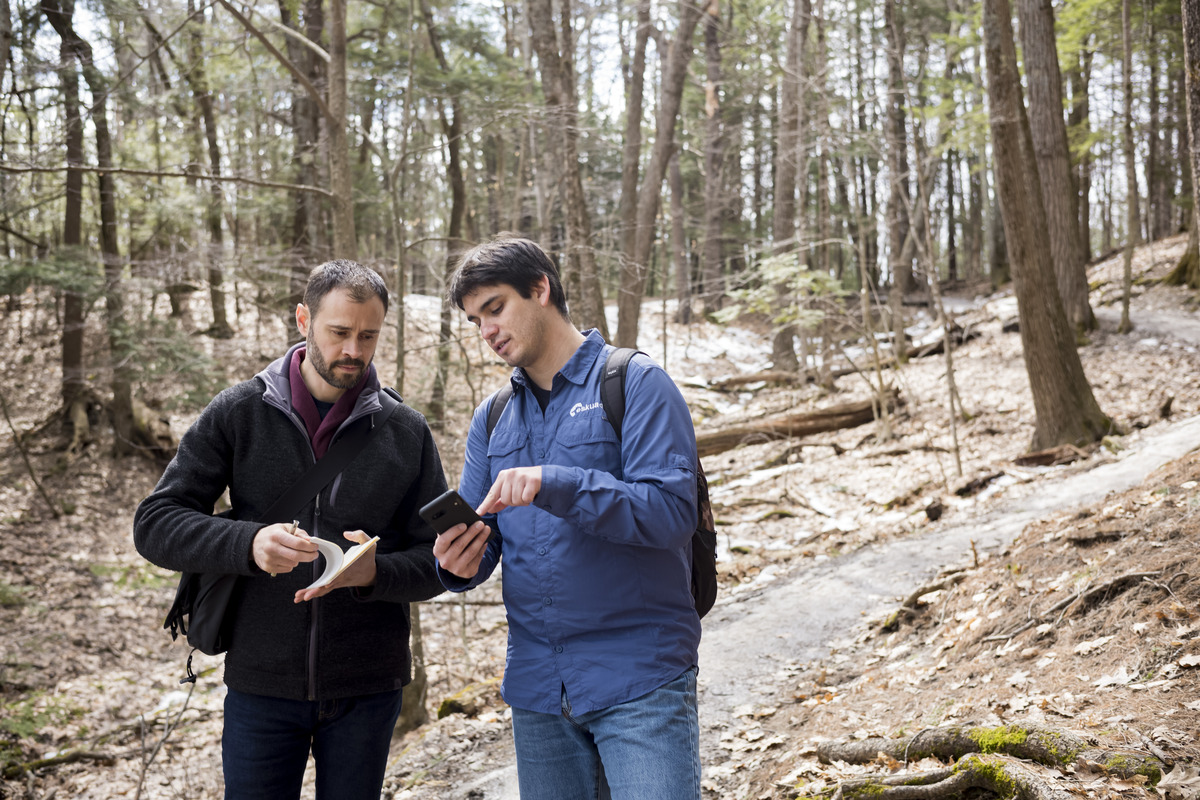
496 404
612 386
340 454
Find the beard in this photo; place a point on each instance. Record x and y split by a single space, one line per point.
326 370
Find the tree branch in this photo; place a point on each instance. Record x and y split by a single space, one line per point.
287 64
149 173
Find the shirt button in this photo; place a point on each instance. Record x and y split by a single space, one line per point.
541 551
558 648
547 601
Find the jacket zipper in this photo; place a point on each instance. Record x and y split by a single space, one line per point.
313 611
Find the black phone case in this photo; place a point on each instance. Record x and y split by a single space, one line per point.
447 511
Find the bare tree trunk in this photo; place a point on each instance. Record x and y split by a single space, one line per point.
1187 271
452 127
896 144
634 102
557 63
73 381
635 272
5 37
683 286
787 154
305 125
1053 160
120 345
1080 78
198 78
341 181
1066 410
714 162
1133 217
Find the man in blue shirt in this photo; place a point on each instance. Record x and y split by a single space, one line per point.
595 531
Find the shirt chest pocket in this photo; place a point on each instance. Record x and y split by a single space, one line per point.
508 449
588 442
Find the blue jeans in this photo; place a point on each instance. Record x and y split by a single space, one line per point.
644 749
265 744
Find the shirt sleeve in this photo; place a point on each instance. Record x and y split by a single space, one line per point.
653 504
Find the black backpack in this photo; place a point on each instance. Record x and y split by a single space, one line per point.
704 538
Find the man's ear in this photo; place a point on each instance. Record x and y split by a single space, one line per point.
302 319
541 292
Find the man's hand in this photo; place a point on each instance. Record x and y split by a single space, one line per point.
277 549
460 549
360 573
513 487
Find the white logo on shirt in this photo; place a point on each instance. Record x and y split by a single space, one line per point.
579 408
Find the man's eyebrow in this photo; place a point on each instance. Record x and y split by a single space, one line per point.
484 305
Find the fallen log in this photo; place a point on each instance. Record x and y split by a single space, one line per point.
1051 748
775 377
846 415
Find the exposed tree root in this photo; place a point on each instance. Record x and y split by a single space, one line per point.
1075 603
1051 748
1001 776
72 757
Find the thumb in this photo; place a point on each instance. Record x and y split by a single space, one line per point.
358 537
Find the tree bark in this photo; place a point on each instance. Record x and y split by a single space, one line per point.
1053 159
714 162
557 66
1080 78
198 78
341 181
896 144
636 270
1133 217
1066 410
452 127
306 210
683 284
73 381
1187 271
59 15
787 155
846 415
634 108
5 37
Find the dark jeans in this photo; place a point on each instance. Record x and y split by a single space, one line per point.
265 745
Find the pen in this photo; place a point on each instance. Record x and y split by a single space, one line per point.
291 532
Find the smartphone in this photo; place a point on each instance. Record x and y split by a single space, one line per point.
447 511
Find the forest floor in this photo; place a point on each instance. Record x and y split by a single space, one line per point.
868 589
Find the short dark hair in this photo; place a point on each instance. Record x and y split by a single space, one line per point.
360 282
507 259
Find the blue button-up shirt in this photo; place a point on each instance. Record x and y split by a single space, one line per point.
597 581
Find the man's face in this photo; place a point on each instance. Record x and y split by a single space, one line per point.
513 326
341 340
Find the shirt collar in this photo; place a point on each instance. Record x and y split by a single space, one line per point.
578 366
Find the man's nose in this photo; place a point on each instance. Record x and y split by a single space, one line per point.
487 330
352 348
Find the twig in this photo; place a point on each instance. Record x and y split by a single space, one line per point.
171 726
25 456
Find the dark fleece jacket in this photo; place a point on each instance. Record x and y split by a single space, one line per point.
249 440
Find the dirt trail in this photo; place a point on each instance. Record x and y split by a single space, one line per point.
799 618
